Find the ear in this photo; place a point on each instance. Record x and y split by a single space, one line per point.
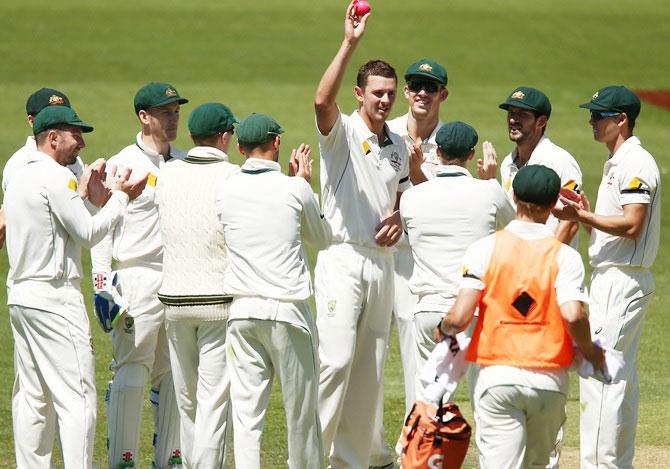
471 155
277 142
541 122
52 138
622 121
405 90
239 149
359 92
443 94
143 116
31 119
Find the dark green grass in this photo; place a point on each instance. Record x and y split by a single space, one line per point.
267 56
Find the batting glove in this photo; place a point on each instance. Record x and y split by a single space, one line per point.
109 305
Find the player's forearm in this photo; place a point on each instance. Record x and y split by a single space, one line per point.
578 327
331 81
616 225
566 231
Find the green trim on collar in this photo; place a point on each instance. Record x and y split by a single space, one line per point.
202 160
449 175
256 171
194 300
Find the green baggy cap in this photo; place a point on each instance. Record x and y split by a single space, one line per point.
532 99
45 97
211 119
156 94
537 184
615 98
456 139
257 129
52 116
427 68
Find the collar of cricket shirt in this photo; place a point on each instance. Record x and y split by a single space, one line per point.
451 170
258 166
150 151
621 152
205 155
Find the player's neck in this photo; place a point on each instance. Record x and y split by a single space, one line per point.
615 144
377 127
160 147
421 128
524 150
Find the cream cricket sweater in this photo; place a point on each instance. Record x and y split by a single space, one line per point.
194 251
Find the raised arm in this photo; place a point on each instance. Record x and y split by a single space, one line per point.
326 93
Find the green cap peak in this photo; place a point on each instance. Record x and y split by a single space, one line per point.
615 98
52 116
532 99
156 94
537 184
45 97
456 139
258 129
211 119
427 68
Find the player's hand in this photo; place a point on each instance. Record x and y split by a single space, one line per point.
93 183
569 206
109 304
3 227
487 166
120 181
389 230
416 160
354 27
300 164
597 358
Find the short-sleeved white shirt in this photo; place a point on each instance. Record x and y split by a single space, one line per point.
569 286
552 156
442 218
630 176
360 178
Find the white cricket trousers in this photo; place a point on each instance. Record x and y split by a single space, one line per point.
403 313
257 351
55 384
354 299
140 352
517 426
608 419
202 386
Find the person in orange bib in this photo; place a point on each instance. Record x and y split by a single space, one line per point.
529 289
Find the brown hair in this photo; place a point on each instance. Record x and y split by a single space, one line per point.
378 68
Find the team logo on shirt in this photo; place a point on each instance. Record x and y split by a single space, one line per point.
395 161
55 100
332 304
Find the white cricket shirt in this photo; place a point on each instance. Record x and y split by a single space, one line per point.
360 179
630 176
569 286
136 239
552 156
265 216
21 157
428 147
442 218
47 224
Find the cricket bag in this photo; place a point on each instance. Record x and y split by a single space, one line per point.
434 438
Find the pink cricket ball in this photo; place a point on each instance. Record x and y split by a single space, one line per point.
362 8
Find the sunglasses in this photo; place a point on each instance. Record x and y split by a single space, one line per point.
428 86
600 115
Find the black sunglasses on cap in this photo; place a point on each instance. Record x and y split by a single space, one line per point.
428 86
599 115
